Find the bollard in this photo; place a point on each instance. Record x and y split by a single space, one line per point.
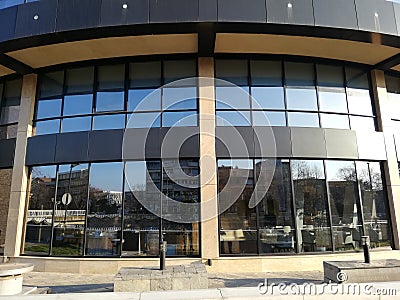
163 251
365 243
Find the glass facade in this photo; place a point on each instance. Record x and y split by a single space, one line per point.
293 94
94 210
10 97
117 96
305 206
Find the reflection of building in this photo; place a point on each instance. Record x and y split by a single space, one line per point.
322 102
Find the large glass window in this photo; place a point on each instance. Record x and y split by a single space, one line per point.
10 95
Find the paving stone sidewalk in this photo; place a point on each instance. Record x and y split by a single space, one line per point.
83 283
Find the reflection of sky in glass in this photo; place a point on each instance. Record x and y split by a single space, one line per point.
144 120
186 118
106 176
268 97
332 100
359 102
334 121
152 102
44 171
301 99
109 122
107 101
362 123
76 124
236 163
232 97
269 118
303 119
179 98
303 169
340 170
49 108
47 127
233 118
395 105
77 104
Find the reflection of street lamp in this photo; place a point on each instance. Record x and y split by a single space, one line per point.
369 175
68 197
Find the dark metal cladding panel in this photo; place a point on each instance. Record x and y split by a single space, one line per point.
290 12
153 143
208 10
36 18
41 150
337 13
72 147
105 145
236 142
8 17
77 14
191 147
178 141
376 15
140 143
341 143
7 149
242 10
174 10
113 13
308 142
271 141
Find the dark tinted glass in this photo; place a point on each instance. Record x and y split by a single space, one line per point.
377 16
40 211
344 204
314 233
233 118
103 233
68 230
79 80
108 101
299 74
266 73
51 84
290 11
234 71
393 88
179 69
49 108
78 105
145 74
108 122
9 105
111 77
144 99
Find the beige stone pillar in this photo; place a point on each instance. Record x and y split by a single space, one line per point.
208 163
390 166
19 181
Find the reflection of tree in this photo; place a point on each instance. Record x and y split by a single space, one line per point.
100 201
303 170
42 191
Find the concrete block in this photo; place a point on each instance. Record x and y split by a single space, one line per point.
180 283
161 284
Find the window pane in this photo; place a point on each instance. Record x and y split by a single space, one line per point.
111 77
109 122
69 226
180 98
230 97
238 222
145 74
301 99
233 118
332 99
334 121
276 224
179 69
268 97
79 80
108 101
49 108
266 73
144 99
76 124
47 127
141 227
8 132
269 118
144 120
9 114
358 95
78 105
312 219
345 206
185 118
234 71
299 74
40 211
375 204
51 84
103 233
303 119
12 93
362 123
330 76
394 100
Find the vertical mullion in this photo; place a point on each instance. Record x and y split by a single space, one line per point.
317 94
95 86
345 91
328 197
123 209
294 212
360 201
283 78
126 95
64 91
86 212
257 215
54 210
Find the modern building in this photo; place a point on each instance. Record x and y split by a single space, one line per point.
287 166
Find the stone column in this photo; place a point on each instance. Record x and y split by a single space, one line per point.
19 181
208 163
390 166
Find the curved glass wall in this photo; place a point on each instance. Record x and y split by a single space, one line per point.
85 209
309 206
107 96
293 94
10 97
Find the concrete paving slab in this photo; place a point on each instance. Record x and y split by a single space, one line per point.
206 294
